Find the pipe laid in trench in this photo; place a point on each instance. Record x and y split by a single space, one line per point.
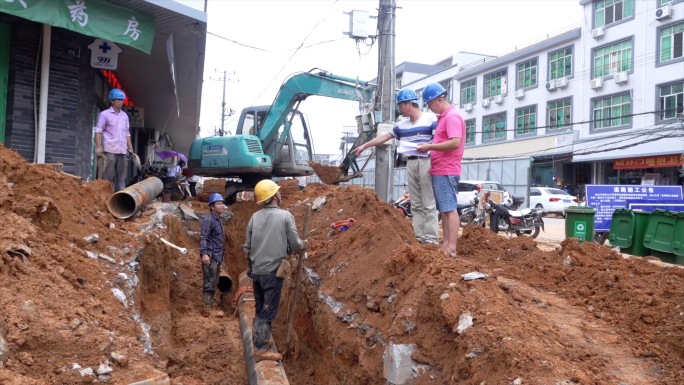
263 372
123 204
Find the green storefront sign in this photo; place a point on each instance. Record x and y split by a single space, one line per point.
96 18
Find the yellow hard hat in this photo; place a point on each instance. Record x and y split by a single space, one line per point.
264 190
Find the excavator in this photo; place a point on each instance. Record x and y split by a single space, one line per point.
274 141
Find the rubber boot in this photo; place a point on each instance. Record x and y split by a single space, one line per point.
209 300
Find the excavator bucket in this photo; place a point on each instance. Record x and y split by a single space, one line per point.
328 174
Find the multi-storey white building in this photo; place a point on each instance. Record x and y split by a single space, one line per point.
602 103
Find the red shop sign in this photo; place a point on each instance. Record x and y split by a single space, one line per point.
647 162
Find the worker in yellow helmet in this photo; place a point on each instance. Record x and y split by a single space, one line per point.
271 232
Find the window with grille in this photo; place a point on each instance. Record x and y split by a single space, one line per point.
613 58
559 113
671 42
612 111
447 86
470 131
560 63
610 11
495 83
526 120
468 92
527 74
671 100
494 127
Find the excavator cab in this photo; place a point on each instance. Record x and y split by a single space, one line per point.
291 151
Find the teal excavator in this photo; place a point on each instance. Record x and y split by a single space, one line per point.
274 141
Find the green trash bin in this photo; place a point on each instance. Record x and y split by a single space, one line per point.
579 223
660 231
627 230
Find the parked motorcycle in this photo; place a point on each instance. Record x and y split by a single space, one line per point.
178 187
515 203
403 204
470 214
525 222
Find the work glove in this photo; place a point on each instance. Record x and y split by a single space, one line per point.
305 244
99 152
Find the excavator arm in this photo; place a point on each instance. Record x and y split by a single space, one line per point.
296 89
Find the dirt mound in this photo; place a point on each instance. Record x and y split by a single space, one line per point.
579 314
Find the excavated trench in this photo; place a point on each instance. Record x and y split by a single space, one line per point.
379 306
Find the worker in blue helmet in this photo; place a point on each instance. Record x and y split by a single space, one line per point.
113 140
212 238
417 127
446 151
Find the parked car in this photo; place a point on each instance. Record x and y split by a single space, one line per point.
552 200
467 189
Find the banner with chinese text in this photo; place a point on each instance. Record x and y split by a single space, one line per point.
647 162
96 18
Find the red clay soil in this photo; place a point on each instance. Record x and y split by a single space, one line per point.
580 314
327 174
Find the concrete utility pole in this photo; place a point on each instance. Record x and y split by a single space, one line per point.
384 155
222 131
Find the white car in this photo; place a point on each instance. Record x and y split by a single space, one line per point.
467 189
552 200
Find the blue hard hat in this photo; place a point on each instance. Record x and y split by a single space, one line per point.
431 91
406 95
215 197
116 94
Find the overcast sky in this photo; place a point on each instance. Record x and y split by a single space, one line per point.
426 32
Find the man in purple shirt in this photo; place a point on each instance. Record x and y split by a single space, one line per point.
113 140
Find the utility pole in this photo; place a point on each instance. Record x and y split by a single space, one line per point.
384 155
222 131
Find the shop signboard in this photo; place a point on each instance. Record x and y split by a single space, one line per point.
96 18
606 198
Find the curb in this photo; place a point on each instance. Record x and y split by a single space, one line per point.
158 379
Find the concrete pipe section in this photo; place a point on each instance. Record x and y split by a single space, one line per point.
263 372
123 204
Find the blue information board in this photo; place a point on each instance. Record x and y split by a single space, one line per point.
606 198
650 205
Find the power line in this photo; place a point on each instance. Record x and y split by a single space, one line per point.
297 50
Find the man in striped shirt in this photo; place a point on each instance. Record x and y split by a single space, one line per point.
417 129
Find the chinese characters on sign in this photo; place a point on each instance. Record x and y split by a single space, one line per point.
647 162
78 13
606 198
22 2
97 18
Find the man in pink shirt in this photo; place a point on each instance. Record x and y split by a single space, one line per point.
446 154
113 140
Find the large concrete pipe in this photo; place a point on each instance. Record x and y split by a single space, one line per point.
262 372
123 204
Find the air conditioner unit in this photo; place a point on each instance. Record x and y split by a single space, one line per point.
562 82
663 12
596 83
485 102
519 94
598 32
468 107
550 86
498 99
621 77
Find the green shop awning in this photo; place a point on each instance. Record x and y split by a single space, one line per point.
96 18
